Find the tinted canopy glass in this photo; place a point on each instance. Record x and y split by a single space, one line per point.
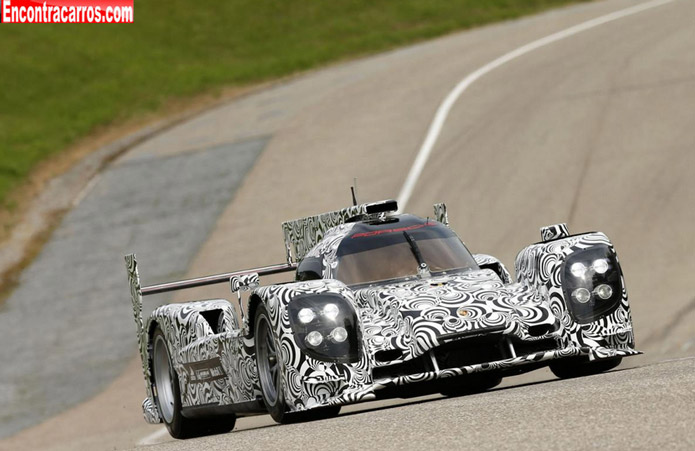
372 253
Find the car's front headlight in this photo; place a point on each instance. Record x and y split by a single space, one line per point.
592 283
325 327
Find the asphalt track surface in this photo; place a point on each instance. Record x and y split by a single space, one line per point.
635 405
595 130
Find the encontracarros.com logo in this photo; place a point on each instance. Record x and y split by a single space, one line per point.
66 11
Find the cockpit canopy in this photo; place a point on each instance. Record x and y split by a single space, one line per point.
391 248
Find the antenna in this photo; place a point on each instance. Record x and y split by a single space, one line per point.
353 189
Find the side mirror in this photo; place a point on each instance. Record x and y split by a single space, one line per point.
554 232
244 282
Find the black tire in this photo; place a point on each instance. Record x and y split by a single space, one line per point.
570 368
271 376
269 366
469 385
167 397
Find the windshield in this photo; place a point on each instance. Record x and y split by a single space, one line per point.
386 254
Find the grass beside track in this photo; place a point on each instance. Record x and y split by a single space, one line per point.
58 83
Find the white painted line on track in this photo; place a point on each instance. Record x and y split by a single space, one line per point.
154 438
443 110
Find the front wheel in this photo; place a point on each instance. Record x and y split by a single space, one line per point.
271 379
269 364
569 368
168 398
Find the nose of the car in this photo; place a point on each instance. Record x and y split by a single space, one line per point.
415 316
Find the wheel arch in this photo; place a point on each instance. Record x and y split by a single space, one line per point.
255 301
151 328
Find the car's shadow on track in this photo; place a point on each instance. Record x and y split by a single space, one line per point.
258 423
385 405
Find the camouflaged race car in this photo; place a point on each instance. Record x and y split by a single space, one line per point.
381 305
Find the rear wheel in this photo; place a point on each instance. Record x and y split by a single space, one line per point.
469 385
168 398
271 376
569 368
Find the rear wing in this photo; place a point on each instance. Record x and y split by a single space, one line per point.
303 234
238 280
226 277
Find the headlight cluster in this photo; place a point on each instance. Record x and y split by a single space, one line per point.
325 327
592 283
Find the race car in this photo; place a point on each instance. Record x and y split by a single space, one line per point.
380 305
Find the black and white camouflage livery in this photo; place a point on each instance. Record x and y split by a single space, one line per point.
417 331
